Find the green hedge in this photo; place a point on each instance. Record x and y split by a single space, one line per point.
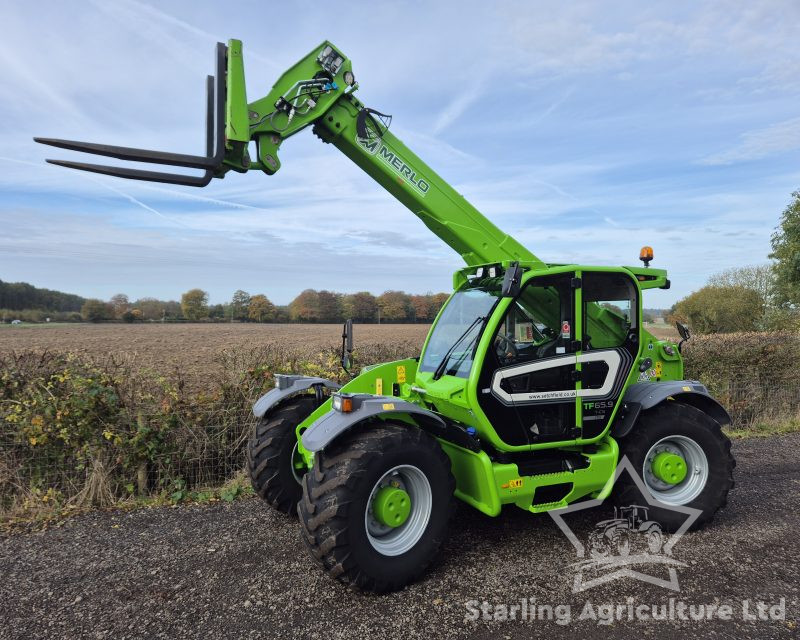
755 375
762 358
78 430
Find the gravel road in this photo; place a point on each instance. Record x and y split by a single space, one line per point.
240 571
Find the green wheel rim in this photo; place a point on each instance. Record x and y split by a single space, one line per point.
408 485
391 506
694 478
669 467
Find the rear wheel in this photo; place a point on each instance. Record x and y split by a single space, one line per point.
683 459
276 468
376 504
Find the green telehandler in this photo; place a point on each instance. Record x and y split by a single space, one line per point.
533 383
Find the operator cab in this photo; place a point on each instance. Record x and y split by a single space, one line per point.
556 357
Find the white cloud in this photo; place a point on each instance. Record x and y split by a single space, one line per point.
754 145
568 44
457 106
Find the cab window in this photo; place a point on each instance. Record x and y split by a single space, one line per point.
538 323
610 309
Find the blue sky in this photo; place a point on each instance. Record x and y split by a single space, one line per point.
584 129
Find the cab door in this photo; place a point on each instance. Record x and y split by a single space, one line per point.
609 344
529 376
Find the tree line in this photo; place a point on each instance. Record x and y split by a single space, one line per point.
762 297
26 302
309 306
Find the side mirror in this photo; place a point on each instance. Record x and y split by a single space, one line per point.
512 281
683 331
347 345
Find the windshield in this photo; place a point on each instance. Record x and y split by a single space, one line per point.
460 324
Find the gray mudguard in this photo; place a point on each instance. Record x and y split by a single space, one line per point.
645 395
285 386
328 427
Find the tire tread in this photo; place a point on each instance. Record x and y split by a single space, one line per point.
264 451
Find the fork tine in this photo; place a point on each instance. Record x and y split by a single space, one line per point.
138 174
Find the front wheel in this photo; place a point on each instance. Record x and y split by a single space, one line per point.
683 459
376 505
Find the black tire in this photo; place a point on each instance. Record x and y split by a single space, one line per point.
269 453
678 419
335 495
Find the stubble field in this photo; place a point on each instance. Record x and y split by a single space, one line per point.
194 349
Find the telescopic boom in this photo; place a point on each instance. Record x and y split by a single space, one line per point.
318 91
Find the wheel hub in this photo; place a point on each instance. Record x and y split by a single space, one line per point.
669 467
391 506
675 470
398 510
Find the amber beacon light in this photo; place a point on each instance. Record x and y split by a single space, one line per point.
646 255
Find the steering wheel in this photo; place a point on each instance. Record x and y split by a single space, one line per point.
506 349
